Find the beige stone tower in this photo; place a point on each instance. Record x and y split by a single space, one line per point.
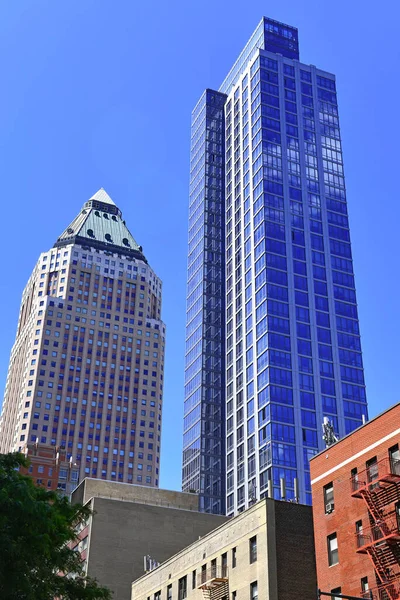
87 366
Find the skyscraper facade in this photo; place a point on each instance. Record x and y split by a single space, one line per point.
86 368
290 342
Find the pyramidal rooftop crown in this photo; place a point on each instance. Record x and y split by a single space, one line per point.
100 225
102 196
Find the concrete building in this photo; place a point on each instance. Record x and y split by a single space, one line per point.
131 522
356 508
50 468
266 552
86 368
272 335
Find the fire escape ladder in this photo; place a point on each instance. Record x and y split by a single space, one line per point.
207 594
378 486
372 502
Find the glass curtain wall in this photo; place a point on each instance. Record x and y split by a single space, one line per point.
204 410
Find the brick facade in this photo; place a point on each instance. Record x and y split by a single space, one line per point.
364 515
50 468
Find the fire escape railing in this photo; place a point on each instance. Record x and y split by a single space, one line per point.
381 539
213 581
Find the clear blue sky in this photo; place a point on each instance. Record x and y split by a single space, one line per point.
97 93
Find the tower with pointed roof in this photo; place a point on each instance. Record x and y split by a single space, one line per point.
86 368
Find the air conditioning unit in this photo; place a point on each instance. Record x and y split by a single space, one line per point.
329 507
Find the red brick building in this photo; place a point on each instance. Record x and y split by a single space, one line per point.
50 468
356 506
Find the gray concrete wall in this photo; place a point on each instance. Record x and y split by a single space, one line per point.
122 533
98 488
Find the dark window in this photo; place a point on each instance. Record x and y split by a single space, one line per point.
253 549
194 579
394 456
337 590
354 479
333 555
254 591
328 498
203 573
224 565
169 592
157 596
213 567
364 584
359 534
397 511
182 588
233 558
372 471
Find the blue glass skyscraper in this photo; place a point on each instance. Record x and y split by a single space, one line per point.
273 341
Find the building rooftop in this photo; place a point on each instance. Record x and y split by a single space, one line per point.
100 225
128 492
355 431
269 35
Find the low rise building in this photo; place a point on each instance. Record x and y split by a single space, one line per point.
356 508
50 468
134 527
266 552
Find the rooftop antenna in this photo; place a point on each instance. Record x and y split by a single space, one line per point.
252 493
283 488
296 489
329 435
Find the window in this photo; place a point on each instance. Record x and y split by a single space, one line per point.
233 595
254 591
372 471
354 479
224 565
394 456
157 596
364 584
203 573
337 590
333 555
213 567
359 535
233 558
328 498
182 588
253 549
169 592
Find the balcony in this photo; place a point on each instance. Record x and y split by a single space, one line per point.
377 475
212 577
383 531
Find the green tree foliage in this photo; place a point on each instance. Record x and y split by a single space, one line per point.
36 526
